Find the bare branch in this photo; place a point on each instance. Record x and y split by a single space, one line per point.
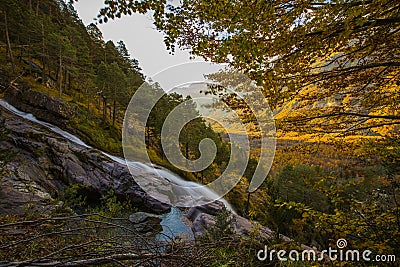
99 260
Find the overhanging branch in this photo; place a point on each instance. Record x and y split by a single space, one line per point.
337 114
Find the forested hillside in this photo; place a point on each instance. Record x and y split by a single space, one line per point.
47 47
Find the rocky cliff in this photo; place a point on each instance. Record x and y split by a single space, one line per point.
44 163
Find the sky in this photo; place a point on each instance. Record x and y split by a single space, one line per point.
143 41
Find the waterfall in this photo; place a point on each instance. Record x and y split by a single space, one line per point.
192 188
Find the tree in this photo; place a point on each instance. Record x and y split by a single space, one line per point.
344 49
130 67
119 85
95 34
96 43
111 53
12 28
131 63
64 53
111 80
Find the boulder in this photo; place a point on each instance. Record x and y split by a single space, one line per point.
201 223
146 222
203 217
210 208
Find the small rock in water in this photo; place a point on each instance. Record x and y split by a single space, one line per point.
146 222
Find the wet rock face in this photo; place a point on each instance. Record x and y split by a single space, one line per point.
43 106
45 163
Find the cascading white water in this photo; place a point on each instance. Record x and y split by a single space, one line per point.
32 118
192 188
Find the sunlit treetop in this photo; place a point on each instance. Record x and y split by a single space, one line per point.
341 48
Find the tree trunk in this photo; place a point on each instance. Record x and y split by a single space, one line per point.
66 79
247 206
147 136
187 154
43 56
8 47
20 52
69 81
57 73
37 8
88 105
114 109
104 109
114 106
29 55
60 75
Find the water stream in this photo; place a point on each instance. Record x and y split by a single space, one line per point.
171 223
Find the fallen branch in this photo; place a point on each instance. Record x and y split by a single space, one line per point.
98 260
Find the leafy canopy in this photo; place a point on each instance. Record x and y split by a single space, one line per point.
340 56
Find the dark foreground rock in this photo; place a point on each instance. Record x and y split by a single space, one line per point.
45 163
146 222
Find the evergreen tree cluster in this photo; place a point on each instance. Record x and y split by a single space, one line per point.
63 53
